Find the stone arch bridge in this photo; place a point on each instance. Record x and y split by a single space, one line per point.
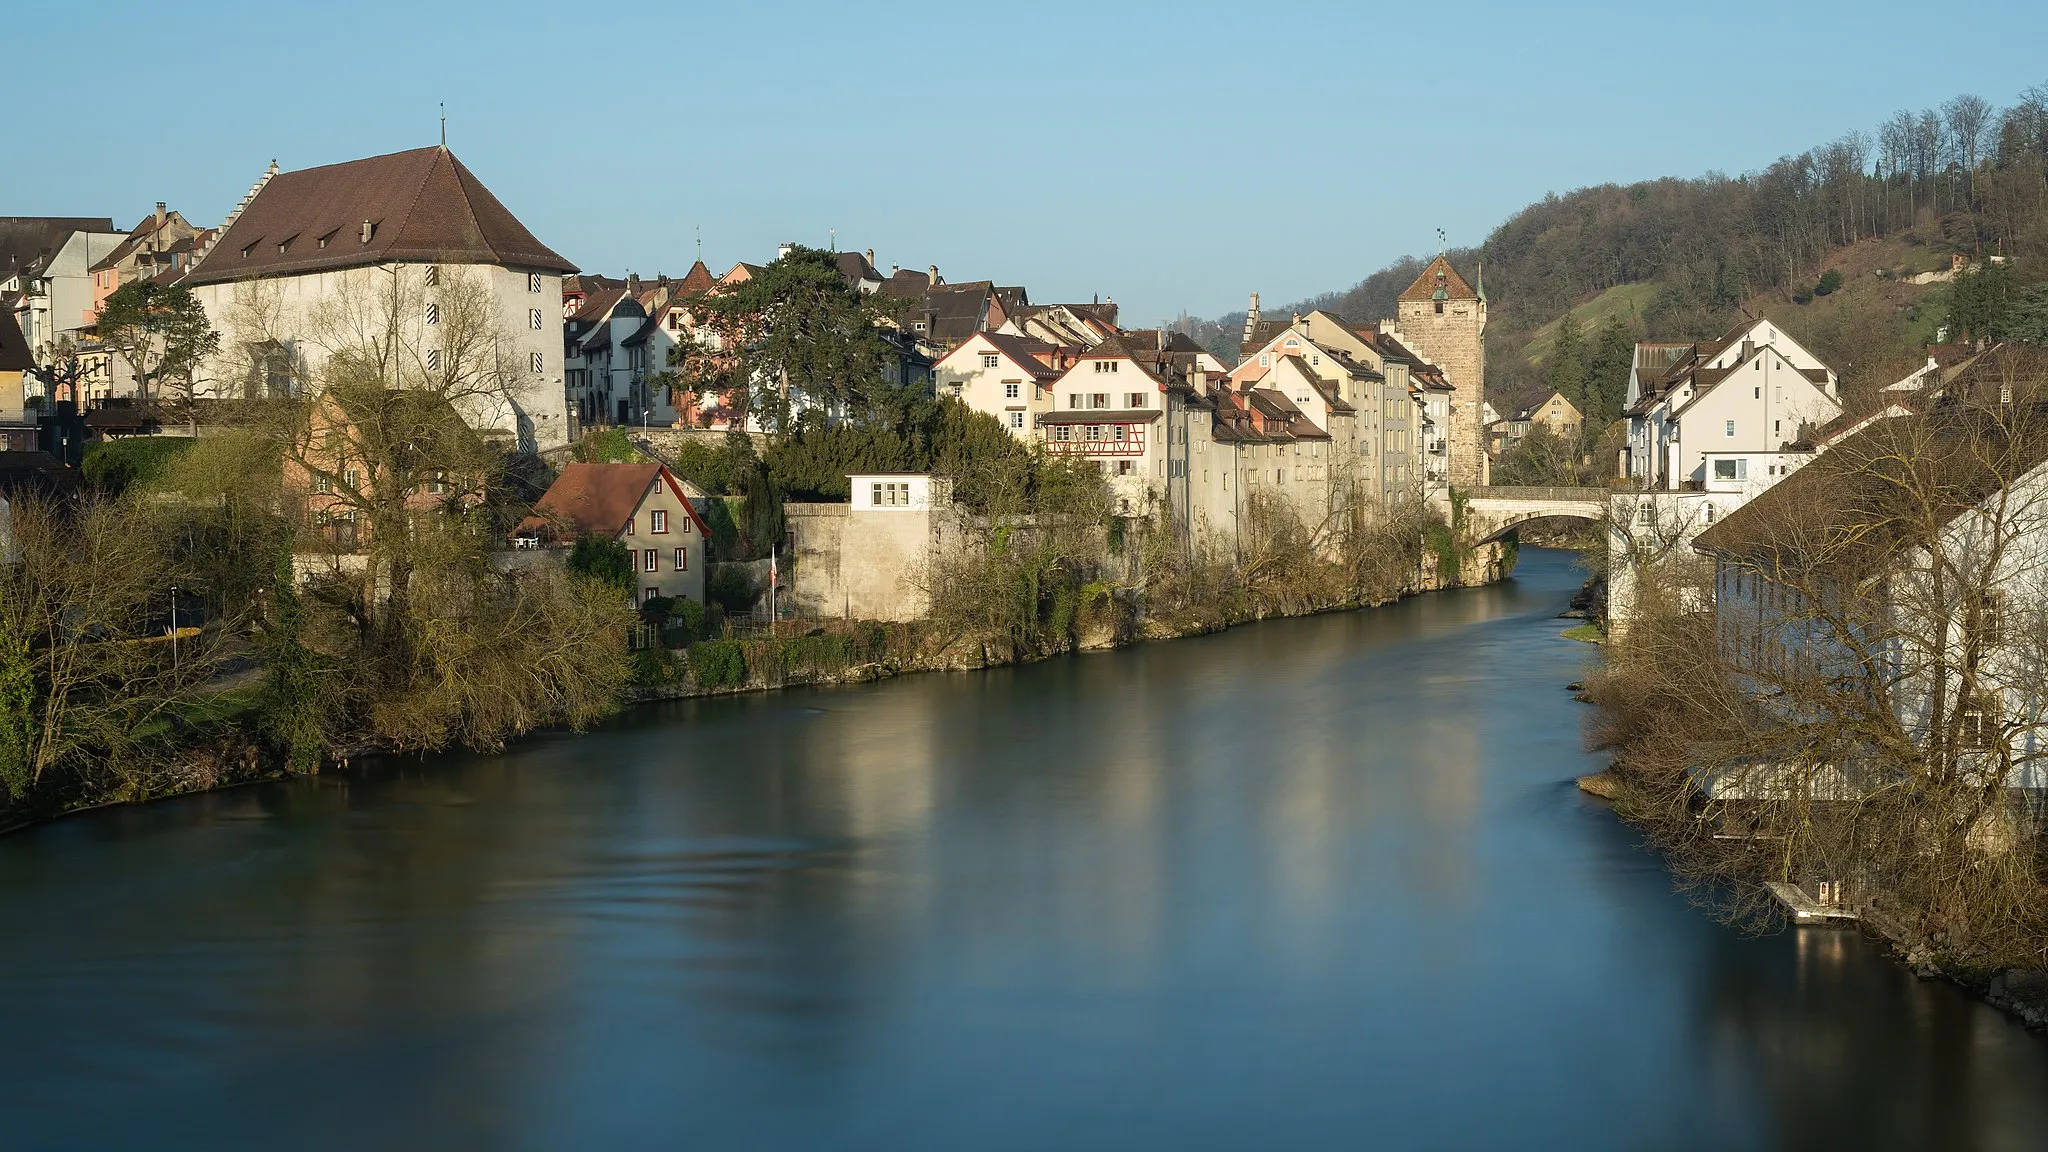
1493 512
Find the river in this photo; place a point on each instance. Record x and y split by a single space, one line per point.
1309 884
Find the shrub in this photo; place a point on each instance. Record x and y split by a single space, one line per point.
718 663
685 619
1829 281
113 466
611 446
608 562
1802 297
732 589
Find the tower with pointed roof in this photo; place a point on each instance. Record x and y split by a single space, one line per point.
1443 318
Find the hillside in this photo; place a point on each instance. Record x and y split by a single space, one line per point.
1677 259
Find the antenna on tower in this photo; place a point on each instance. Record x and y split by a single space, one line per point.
700 243
444 125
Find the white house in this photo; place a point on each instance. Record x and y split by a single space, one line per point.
1739 399
1008 377
397 226
1107 408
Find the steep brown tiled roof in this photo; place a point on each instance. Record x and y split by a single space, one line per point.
1425 285
1024 351
24 238
598 499
423 205
697 281
1881 488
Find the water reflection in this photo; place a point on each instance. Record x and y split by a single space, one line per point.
1317 883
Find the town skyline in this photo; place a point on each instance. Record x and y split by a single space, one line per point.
1176 215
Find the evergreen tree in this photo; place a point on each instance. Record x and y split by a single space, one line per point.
1607 368
1566 372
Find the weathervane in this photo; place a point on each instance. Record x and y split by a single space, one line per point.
444 125
1439 241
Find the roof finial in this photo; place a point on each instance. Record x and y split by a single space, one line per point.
700 243
444 125
1439 241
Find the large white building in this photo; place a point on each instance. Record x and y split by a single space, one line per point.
404 226
1710 426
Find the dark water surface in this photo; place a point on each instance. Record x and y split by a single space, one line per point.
1311 884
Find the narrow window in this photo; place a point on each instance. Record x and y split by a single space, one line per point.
533 319
875 497
1731 427
1016 419
682 560
538 362
433 275
650 560
433 359
433 312
533 281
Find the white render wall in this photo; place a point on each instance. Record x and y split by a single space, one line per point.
532 412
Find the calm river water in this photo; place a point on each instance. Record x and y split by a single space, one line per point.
1320 883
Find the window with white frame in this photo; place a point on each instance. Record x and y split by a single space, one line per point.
1016 419
682 559
657 521
991 360
1731 427
1011 389
889 494
650 560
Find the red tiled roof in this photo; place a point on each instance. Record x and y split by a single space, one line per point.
599 499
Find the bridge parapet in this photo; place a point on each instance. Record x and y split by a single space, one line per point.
1547 495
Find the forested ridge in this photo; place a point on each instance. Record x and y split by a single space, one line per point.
1854 217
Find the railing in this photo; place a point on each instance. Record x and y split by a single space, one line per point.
1547 495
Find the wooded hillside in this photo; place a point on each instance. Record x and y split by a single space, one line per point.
1824 242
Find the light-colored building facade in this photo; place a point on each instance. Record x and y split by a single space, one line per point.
318 243
1008 377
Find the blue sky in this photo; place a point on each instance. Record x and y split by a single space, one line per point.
1172 156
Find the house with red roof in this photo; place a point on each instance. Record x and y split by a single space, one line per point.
643 506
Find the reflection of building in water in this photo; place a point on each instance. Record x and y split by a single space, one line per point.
879 760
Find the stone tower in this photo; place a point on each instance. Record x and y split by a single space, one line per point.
1444 320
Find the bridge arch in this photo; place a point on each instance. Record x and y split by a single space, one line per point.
1493 512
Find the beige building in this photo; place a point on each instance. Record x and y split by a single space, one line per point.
403 227
863 560
1008 377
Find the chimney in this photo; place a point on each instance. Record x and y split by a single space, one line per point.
935 276
369 230
1162 339
1251 320
160 214
871 257
633 283
1748 349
